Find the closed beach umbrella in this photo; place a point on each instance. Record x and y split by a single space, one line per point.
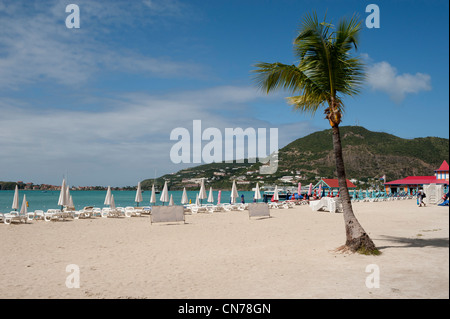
15 204
202 192
63 200
197 201
164 194
310 189
71 201
257 195
218 197
138 197
184 198
319 193
299 190
108 196
210 196
68 196
112 204
234 193
171 203
276 197
23 209
153 196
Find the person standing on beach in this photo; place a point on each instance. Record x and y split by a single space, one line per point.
420 196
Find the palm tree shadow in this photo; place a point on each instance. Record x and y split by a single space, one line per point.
402 242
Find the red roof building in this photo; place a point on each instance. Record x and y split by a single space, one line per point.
441 176
333 183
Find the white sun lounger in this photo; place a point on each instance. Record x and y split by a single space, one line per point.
14 216
112 212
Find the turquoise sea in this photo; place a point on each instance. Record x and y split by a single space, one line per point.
43 200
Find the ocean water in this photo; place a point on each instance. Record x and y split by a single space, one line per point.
39 200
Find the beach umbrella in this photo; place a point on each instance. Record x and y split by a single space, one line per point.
15 204
299 190
138 197
234 193
171 203
153 196
218 197
197 201
257 195
63 200
71 201
108 196
310 189
68 196
23 209
202 192
319 192
275 196
184 198
112 204
210 196
164 194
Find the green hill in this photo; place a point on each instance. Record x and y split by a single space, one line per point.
368 155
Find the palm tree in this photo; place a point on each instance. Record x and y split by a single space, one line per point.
325 73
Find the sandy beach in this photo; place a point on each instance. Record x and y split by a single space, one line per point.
227 255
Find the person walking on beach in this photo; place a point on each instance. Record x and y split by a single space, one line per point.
420 196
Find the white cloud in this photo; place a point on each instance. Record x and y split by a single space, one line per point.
384 77
37 47
124 143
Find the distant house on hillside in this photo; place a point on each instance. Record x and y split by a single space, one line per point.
410 183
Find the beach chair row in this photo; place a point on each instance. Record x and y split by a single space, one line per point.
68 213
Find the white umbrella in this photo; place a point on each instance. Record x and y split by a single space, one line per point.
171 203
63 200
23 209
112 204
202 192
68 196
234 193
184 198
257 192
15 204
275 193
210 196
153 197
108 196
164 194
197 201
138 197
71 201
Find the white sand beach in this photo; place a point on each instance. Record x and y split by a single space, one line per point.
227 255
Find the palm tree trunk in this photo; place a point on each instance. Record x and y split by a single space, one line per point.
356 237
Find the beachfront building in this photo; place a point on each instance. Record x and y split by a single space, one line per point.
412 183
332 184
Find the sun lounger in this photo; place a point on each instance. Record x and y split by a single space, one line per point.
133 211
38 215
14 216
113 212
86 212
57 214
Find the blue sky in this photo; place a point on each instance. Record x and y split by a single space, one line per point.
97 104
